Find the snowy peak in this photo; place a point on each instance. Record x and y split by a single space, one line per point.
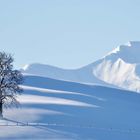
133 43
121 67
128 52
129 45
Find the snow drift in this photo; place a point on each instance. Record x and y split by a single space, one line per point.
118 68
79 104
55 109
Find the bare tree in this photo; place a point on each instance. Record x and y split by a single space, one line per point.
9 82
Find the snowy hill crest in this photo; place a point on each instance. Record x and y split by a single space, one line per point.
119 68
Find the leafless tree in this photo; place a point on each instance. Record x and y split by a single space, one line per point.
10 80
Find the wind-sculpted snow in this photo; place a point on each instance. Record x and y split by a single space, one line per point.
119 68
78 75
59 104
61 110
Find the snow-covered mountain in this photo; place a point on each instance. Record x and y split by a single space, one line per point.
59 110
59 104
119 68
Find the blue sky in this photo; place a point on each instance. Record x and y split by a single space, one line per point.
66 33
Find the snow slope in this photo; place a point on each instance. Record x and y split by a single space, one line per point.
121 68
62 110
78 75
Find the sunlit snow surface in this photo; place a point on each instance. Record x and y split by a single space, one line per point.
81 104
59 110
119 68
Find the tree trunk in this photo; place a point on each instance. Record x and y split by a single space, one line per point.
1 110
